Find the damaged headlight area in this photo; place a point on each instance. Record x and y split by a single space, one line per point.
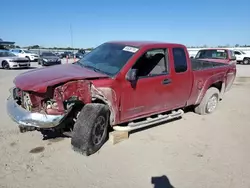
31 111
37 102
49 109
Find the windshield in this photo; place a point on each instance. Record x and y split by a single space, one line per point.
242 52
48 54
212 54
108 58
8 54
27 51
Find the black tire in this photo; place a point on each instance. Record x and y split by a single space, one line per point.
5 65
246 61
85 129
203 108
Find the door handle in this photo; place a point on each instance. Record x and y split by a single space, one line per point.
166 81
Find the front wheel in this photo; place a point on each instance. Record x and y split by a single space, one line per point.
90 131
209 102
5 65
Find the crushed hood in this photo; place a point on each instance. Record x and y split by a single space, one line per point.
39 79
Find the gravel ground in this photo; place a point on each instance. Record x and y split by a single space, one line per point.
194 152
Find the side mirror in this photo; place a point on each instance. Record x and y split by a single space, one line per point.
131 75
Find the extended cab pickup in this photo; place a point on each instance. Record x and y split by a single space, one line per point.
219 55
125 85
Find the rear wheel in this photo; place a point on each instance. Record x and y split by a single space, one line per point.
5 65
209 102
90 131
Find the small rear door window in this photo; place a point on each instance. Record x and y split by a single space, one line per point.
180 60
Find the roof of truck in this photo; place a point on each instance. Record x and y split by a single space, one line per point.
144 43
214 49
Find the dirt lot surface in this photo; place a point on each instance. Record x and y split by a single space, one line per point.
195 152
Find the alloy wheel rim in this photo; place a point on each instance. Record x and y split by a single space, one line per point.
245 61
212 103
99 130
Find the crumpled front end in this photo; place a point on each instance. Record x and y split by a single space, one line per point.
27 118
47 110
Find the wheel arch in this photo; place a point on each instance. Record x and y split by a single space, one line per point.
100 100
107 96
217 81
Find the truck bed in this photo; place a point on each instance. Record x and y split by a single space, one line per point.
197 64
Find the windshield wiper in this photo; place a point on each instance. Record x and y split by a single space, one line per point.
96 69
78 62
93 68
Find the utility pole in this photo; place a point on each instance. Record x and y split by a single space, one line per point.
71 35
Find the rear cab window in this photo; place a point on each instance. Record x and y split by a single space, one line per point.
180 60
212 54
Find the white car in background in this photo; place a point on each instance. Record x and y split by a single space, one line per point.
9 60
25 53
242 57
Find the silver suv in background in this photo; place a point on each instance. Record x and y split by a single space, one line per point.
25 53
9 60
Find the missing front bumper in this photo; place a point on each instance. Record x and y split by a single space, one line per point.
28 119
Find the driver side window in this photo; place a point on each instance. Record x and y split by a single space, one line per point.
152 63
237 53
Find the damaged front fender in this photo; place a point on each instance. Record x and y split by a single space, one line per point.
73 91
86 92
108 96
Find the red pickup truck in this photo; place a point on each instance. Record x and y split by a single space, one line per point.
123 85
220 55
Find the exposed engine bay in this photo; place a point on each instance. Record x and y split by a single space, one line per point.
61 99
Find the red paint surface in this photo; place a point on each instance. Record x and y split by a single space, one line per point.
79 89
149 96
39 79
218 60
